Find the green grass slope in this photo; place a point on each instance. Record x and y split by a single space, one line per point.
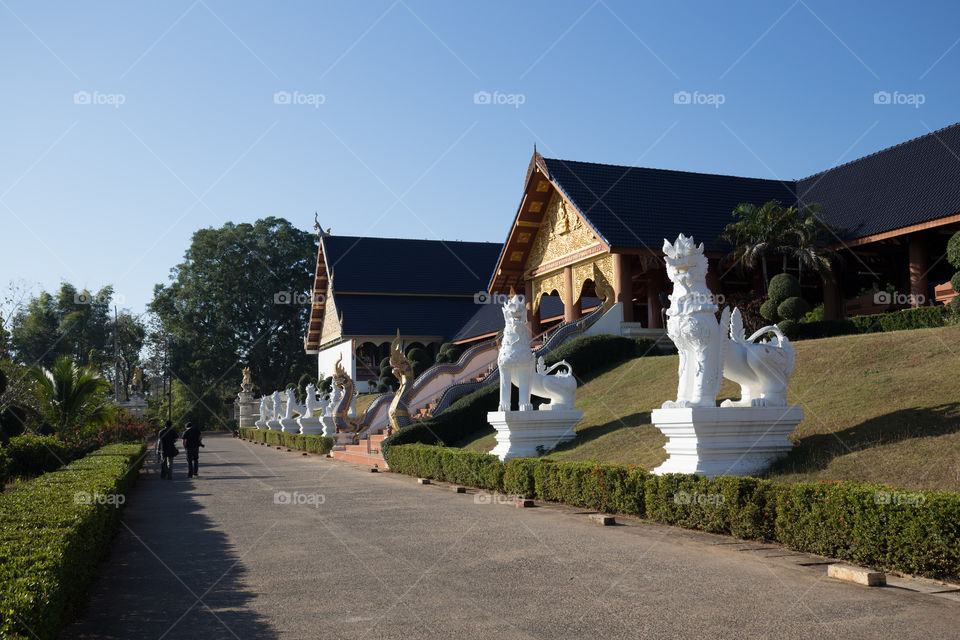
881 407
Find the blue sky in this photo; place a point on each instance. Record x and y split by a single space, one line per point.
181 126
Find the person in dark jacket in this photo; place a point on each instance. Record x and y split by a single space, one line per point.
192 441
167 445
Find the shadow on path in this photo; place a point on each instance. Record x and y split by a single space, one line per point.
171 574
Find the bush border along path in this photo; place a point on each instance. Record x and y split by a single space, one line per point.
916 532
56 529
300 442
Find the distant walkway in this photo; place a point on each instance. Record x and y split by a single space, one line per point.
377 556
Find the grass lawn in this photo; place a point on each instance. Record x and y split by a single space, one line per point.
881 407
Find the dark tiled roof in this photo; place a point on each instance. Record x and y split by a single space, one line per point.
488 318
394 265
639 207
913 182
371 315
903 185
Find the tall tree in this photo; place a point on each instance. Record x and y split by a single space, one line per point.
130 334
809 243
239 298
35 333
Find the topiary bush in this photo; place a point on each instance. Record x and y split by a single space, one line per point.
783 286
953 250
793 308
449 352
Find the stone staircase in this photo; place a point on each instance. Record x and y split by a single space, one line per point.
366 452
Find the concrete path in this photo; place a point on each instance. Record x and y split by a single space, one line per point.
269 544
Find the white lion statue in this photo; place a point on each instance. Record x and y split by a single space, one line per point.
517 366
710 350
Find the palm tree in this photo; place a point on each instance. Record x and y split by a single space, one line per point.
809 243
73 396
758 233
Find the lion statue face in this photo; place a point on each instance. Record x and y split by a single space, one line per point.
686 263
514 311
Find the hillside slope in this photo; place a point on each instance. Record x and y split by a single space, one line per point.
881 407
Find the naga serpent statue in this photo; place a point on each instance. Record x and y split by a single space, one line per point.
398 413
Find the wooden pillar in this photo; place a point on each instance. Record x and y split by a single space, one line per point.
570 312
623 283
532 317
918 270
831 299
654 308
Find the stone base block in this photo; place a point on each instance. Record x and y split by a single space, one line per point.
519 433
261 424
273 425
725 441
329 428
310 426
289 425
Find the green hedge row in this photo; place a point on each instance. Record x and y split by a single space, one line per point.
56 528
298 441
919 318
588 355
33 455
913 532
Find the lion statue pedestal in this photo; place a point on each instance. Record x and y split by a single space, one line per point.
309 424
273 422
527 433
741 437
725 441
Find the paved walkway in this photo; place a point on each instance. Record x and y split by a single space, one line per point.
381 557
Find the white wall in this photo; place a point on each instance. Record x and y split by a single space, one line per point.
327 359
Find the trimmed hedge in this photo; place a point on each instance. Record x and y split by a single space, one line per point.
919 318
33 455
588 355
56 529
449 465
916 532
298 441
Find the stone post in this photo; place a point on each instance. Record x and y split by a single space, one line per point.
249 409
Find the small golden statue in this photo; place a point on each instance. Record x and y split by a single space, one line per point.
136 385
247 383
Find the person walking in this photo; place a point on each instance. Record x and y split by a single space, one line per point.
192 441
167 447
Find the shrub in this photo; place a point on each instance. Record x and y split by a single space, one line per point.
789 328
955 282
4 468
783 286
769 310
55 532
916 532
34 455
604 487
298 441
643 347
919 318
953 251
449 352
448 465
793 308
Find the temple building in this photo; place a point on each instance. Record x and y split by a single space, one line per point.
586 229
367 289
587 234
